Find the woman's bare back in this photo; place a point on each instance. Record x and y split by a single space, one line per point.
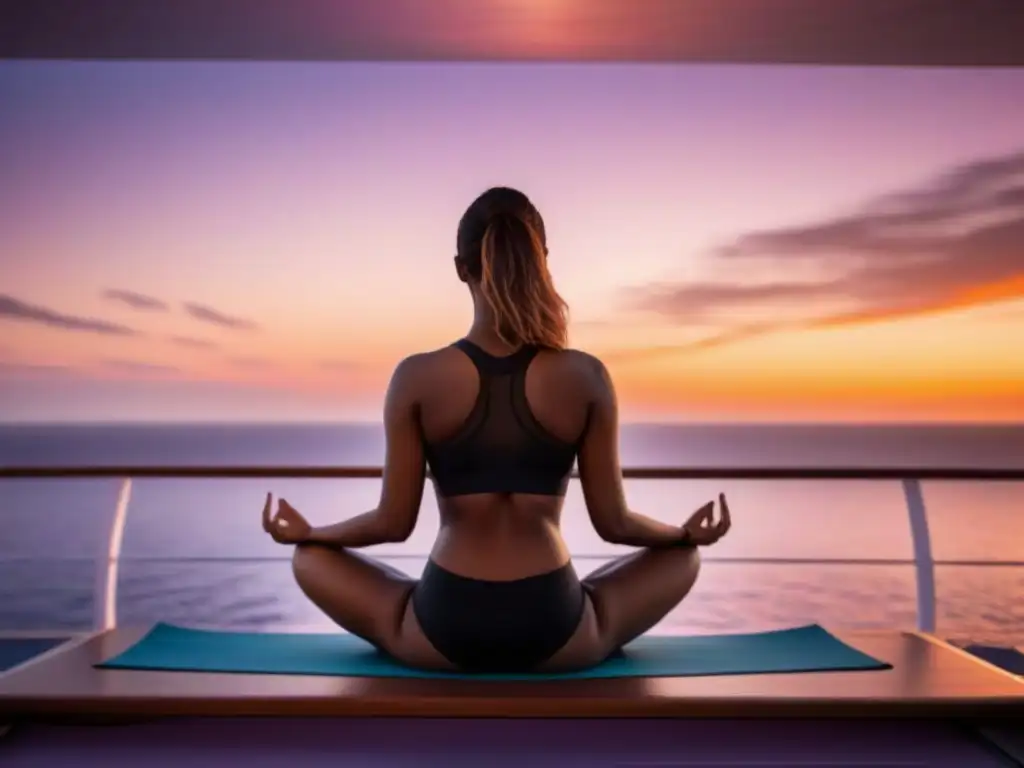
500 429
491 536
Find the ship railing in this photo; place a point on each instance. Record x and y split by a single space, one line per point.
911 478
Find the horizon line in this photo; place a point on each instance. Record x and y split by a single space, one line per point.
380 423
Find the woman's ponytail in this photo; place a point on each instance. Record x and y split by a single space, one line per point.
516 284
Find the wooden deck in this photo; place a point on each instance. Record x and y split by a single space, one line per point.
929 679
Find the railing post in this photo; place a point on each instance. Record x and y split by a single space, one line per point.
105 597
924 564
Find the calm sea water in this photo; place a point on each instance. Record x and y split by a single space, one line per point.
195 553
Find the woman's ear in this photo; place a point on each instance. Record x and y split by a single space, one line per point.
460 270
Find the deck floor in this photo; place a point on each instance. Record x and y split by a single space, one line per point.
929 679
15 651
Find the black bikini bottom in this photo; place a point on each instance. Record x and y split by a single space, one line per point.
498 626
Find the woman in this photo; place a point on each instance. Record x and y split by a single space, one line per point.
499 417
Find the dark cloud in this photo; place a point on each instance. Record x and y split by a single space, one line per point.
214 317
139 366
15 309
135 300
697 303
957 241
192 342
916 223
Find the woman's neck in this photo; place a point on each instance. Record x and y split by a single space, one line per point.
482 332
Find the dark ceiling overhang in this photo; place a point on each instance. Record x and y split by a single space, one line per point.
843 32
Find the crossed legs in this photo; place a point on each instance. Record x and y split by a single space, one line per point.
367 598
625 598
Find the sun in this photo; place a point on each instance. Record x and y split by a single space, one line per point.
545 27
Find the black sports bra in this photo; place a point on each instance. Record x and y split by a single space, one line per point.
501 448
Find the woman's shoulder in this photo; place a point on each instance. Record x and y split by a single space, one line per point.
419 363
422 367
585 362
575 363
584 370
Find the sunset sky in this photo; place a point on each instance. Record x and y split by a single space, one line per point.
264 241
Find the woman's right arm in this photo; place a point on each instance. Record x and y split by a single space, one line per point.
601 474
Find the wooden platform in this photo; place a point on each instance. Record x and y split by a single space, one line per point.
929 679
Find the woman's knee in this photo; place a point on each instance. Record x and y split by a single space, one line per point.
307 559
689 564
692 557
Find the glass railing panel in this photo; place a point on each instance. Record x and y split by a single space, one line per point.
728 597
980 605
976 521
51 532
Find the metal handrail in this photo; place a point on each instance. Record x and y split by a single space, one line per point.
629 473
910 477
576 556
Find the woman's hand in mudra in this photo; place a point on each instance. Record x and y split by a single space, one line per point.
702 529
287 526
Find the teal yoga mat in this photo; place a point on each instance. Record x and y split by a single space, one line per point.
803 649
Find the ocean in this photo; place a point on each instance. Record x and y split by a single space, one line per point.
194 551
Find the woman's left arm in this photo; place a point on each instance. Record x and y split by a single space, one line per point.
404 473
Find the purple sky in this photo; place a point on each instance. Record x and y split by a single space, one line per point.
190 240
